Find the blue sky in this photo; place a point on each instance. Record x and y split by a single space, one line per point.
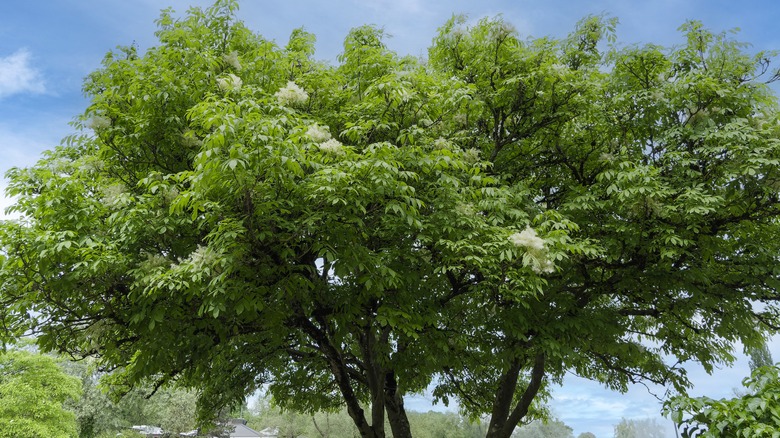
47 47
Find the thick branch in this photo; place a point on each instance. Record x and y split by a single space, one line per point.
521 409
340 374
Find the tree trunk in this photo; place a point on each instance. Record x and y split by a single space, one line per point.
326 432
341 375
394 405
353 405
374 378
502 421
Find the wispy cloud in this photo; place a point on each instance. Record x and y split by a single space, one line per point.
388 7
17 75
588 406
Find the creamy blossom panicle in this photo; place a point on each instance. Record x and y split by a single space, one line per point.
291 95
318 134
203 256
442 143
471 155
112 193
559 68
190 139
171 194
231 59
545 266
528 238
99 122
332 146
91 165
155 261
229 83
466 209
535 252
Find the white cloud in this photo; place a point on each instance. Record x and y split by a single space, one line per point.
386 7
17 75
588 406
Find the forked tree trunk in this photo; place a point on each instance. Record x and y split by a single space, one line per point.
340 373
504 417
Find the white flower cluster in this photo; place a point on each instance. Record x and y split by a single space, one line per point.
318 134
657 94
502 29
471 155
528 238
456 34
441 143
535 250
171 194
203 256
291 95
332 146
91 165
112 193
231 59
606 157
559 68
99 122
229 83
154 261
191 140
61 166
466 209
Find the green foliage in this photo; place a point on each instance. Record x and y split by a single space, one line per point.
232 214
99 416
759 357
756 414
291 424
647 428
33 391
551 428
433 424
338 424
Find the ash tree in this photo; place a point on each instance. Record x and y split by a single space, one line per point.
660 167
232 214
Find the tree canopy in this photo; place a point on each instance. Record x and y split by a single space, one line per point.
231 214
98 416
33 391
647 428
754 414
551 428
